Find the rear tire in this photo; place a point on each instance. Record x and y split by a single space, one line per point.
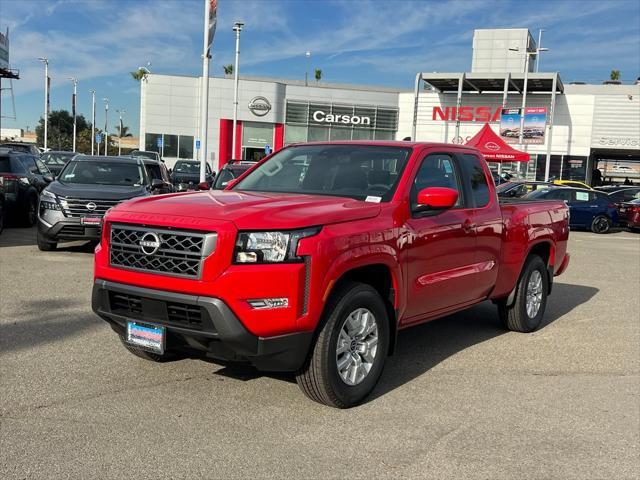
527 311
348 356
30 212
45 245
601 224
138 352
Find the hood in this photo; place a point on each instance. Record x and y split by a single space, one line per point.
256 211
102 192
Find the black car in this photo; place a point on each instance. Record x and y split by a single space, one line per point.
22 147
72 207
624 194
56 160
24 176
230 172
186 175
520 188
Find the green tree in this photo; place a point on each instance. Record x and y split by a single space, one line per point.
60 129
615 75
125 131
318 74
228 69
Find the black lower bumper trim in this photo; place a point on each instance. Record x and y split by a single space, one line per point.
68 229
221 336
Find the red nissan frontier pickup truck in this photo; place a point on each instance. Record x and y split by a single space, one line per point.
314 259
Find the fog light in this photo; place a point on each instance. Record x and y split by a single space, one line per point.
260 303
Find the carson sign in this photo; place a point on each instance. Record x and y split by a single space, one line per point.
322 117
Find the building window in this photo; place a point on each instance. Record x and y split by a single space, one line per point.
170 146
257 134
151 142
318 134
185 147
294 134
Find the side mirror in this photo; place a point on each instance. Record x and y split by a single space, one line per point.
156 183
203 186
436 198
48 178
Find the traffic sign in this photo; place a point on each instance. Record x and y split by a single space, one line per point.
197 144
98 138
267 149
159 142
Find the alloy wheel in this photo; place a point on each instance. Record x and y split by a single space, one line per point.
357 346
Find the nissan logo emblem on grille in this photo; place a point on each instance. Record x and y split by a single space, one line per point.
91 206
149 243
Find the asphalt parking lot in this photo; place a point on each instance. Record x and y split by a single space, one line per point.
461 399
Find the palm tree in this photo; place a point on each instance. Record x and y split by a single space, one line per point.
125 131
228 69
318 74
615 75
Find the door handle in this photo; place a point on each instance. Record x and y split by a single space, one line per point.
468 226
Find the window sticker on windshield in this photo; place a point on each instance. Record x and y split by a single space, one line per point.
69 175
373 199
582 196
447 166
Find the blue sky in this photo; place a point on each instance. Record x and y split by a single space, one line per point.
352 41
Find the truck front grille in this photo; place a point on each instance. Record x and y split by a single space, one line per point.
158 250
85 207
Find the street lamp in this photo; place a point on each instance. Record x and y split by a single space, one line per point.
527 54
306 73
145 70
93 119
120 112
106 126
237 27
45 60
73 109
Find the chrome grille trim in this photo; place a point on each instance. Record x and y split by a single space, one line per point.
181 253
77 207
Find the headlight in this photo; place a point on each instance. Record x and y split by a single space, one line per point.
270 247
49 201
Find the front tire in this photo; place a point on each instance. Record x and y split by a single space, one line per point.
525 315
348 356
601 224
45 245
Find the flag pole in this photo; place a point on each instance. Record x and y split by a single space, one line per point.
210 7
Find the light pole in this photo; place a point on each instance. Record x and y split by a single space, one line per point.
237 27
539 49
120 112
73 109
93 119
306 73
45 60
527 55
106 126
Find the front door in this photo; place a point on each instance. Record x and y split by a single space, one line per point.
441 248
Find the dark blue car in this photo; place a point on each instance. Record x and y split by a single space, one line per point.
588 208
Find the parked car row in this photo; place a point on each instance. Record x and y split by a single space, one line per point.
593 209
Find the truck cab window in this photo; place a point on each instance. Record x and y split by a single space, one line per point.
436 170
477 180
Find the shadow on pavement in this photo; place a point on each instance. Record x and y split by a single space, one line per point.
18 237
422 347
42 322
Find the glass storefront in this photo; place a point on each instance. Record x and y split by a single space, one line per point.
173 146
315 122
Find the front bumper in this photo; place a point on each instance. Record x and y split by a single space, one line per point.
198 325
69 228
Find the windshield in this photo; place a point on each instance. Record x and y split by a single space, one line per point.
97 172
57 158
356 171
187 167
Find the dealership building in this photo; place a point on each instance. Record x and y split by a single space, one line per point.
587 126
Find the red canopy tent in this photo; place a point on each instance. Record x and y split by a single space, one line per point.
494 148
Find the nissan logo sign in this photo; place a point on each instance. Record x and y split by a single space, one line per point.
259 106
150 243
492 146
91 206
